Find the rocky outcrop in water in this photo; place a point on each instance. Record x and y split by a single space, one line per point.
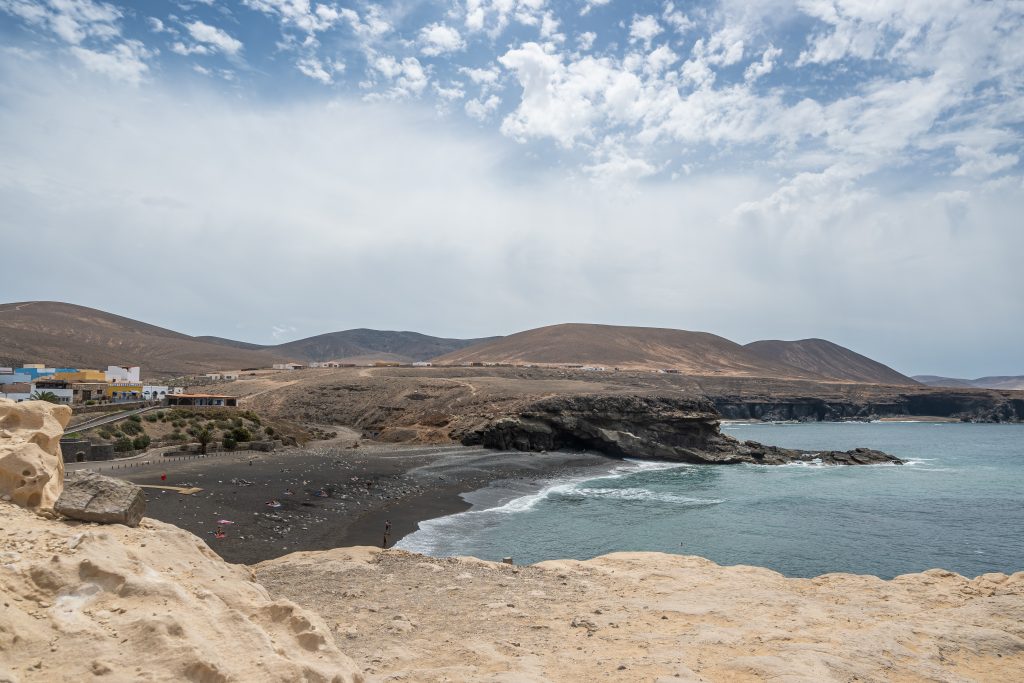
648 427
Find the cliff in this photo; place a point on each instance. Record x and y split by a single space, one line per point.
652 617
649 427
84 602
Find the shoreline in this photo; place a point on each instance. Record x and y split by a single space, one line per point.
339 497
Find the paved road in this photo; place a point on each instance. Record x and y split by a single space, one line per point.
107 419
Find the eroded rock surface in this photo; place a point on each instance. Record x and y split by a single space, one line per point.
91 497
629 617
650 427
31 466
84 602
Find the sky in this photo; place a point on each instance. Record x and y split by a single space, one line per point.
268 170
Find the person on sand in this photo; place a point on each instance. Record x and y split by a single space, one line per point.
220 533
289 492
387 534
163 476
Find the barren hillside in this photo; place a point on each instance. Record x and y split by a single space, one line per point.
66 335
691 353
822 357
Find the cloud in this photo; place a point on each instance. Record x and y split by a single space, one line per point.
589 5
123 62
405 77
644 29
73 21
302 14
214 37
438 39
481 109
318 70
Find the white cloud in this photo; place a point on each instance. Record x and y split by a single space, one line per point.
589 5
644 29
73 21
494 16
481 109
214 37
488 76
585 40
765 66
302 14
405 77
319 70
438 39
124 62
982 162
180 48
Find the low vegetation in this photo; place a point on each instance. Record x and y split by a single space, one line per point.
179 426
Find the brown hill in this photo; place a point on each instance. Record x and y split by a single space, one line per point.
822 357
693 353
66 335
372 345
1012 382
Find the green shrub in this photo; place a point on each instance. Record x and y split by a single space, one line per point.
228 442
131 427
90 402
140 442
151 418
241 434
135 418
268 430
161 414
176 436
123 444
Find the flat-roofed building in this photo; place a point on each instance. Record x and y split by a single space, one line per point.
202 400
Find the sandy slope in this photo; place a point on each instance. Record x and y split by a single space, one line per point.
653 617
86 602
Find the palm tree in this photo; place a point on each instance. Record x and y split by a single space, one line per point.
47 396
204 436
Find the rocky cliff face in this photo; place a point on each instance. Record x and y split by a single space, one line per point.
84 602
31 466
648 427
966 405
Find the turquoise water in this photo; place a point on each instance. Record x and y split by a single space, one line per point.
958 505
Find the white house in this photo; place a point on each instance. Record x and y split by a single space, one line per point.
422 364
123 373
151 392
288 366
63 395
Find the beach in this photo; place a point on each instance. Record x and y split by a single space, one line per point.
331 496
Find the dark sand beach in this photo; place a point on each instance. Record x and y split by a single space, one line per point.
331 497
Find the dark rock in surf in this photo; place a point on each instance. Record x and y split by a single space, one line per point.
647 427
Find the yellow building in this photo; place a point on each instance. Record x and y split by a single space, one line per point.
124 391
35 366
82 376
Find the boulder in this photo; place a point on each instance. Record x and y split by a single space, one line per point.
31 466
91 497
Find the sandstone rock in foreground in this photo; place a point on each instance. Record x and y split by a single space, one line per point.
631 617
653 427
84 602
31 466
91 497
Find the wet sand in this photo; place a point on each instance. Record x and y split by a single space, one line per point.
338 496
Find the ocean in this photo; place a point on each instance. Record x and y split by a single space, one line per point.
958 504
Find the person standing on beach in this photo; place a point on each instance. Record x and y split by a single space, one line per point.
387 534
